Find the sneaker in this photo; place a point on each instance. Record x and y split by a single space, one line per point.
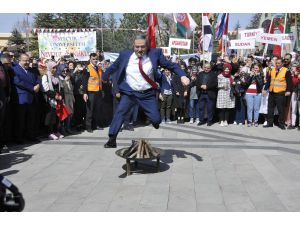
255 124
191 120
241 124
52 137
265 123
163 121
225 124
4 149
197 120
234 123
222 124
249 124
59 135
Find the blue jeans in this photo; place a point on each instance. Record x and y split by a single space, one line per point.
253 105
194 105
240 109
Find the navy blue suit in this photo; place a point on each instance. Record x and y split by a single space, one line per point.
147 99
26 109
24 83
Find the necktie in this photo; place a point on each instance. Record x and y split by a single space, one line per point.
148 79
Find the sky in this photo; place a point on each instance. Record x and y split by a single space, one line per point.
9 20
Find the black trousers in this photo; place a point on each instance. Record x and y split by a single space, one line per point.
79 110
93 107
279 100
25 121
224 114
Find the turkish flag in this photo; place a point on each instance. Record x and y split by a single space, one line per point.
152 22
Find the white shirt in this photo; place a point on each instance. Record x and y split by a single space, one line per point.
133 76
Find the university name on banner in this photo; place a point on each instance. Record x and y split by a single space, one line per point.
273 39
242 44
81 44
180 43
166 51
250 34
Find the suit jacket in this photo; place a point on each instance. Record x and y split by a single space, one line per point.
157 59
212 84
24 83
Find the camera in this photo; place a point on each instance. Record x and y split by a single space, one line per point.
13 201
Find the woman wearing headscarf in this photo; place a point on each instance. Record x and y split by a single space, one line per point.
69 99
225 100
53 93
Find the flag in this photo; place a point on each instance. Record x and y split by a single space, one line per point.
222 28
222 33
277 28
207 33
152 22
184 24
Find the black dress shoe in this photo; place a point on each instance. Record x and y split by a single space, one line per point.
268 125
155 125
112 143
201 123
33 139
210 123
89 130
291 127
282 127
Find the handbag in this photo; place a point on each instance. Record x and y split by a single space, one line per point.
62 111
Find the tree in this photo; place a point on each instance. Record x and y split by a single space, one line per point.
133 24
16 38
254 23
45 20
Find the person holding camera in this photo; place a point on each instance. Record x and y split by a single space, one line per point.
254 84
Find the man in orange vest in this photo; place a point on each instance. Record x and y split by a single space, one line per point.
279 84
92 88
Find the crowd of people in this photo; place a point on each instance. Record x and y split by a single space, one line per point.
243 91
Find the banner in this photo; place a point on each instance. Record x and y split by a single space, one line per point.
250 34
81 44
288 38
180 43
166 51
242 44
273 39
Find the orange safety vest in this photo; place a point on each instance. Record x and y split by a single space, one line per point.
278 82
95 79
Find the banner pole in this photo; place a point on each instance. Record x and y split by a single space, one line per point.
266 45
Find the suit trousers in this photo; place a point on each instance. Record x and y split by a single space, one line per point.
93 105
25 123
205 102
276 99
146 100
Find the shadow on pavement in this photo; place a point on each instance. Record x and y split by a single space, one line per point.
7 160
149 166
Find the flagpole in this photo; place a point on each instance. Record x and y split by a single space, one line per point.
296 26
266 45
159 32
282 45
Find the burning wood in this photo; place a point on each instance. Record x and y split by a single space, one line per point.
140 150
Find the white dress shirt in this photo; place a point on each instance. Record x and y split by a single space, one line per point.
133 76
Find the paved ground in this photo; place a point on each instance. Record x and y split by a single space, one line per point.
203 169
